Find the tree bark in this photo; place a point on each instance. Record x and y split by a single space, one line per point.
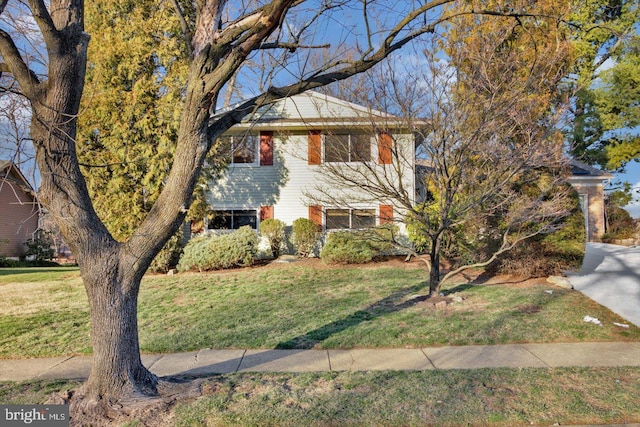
111 271
434 272
117 370
111 274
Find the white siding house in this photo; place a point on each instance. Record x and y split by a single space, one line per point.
277 158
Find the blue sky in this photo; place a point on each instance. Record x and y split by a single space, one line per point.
632 175
340 33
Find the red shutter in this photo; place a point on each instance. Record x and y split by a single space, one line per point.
266 212
386 214
315 214
266 148
315 147
385 143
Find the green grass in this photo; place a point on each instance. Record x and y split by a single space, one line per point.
298 306
465 397
44 312
32 392
37 274
498 397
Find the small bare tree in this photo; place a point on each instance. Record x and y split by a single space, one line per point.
488 159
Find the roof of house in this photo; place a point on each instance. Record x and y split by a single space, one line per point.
580 170
313 109
10 171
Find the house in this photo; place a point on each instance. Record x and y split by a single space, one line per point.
589 183
277 157
19 211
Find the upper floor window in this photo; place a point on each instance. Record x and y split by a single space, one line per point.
243 148
347 148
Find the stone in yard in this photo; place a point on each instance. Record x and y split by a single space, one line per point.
563 282
441 304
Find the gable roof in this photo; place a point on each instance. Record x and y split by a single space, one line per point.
312 109
10 171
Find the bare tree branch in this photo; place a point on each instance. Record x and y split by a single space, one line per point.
186 29
14 64
45 22
291 47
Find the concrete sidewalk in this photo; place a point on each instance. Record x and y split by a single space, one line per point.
208 362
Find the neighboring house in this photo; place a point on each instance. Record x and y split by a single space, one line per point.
277 158
589 183
19 211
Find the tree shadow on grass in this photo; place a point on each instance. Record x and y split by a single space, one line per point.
395 302
459 288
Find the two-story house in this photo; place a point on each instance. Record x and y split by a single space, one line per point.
277 159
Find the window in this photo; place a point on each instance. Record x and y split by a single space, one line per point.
350 218
363 218
347 148
234 219
244 148
338 218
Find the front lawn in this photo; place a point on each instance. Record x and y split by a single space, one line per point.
301 305
497 397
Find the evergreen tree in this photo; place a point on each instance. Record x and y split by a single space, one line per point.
605 83
130 112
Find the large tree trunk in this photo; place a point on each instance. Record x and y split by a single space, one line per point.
117 369
111 271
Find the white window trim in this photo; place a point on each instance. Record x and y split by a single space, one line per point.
376 217
372 149
256 151
242 208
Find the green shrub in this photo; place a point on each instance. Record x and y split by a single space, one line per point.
40 248
12 263
548 254
619 224
459 245
169 255
274 231
218 252
305 234
344 247
416 229
380 238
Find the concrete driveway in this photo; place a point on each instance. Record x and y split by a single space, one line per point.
610 275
